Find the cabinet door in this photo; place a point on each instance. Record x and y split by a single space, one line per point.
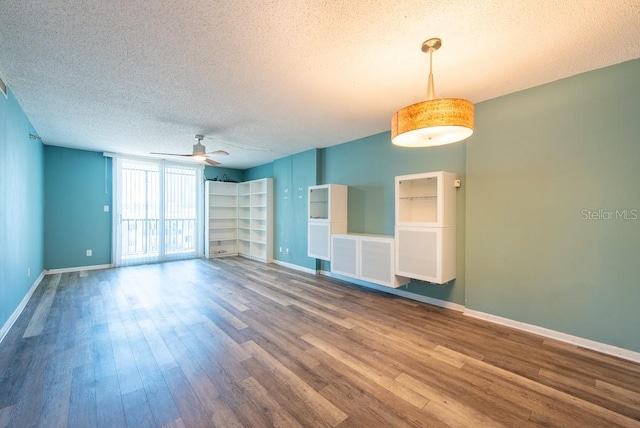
426 200
376 261
428 254
344 255
417 253
318 240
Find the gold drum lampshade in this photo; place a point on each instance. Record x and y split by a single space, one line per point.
434 122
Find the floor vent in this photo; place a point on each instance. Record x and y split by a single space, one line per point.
3 87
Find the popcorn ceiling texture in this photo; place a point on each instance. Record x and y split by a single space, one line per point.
263 79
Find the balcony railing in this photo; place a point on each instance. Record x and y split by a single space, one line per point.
140 237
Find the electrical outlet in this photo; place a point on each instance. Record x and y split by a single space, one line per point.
106 208
28 272
89 253
286 251
280 249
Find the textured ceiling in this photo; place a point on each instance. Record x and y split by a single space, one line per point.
263 79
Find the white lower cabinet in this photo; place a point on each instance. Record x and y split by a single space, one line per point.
366 257
428 254
344 255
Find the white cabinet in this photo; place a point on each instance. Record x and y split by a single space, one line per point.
221 219
426 226
327 215
427 199
426 253
366 257
255 219
344 255
319 239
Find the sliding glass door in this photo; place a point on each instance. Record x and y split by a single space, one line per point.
158 211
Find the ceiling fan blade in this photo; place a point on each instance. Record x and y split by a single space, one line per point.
212 162
169 154
219 152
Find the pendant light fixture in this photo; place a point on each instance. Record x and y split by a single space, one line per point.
434 122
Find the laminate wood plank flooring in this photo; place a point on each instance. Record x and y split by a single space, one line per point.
236 343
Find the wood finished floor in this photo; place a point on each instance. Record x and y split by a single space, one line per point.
236 343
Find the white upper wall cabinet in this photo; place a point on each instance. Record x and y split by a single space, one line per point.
426 226
328 203
327 215
427 199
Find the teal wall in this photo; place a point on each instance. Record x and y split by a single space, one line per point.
258 172
21 206
369 167
292 175
77 187
222 174
540 163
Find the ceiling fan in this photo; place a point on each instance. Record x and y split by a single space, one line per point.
199 152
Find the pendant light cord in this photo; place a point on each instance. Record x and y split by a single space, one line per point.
431 92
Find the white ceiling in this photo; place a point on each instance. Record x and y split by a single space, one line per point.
263 79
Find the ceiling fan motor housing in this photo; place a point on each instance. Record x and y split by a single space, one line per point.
199 149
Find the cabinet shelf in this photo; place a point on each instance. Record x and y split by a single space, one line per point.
411 198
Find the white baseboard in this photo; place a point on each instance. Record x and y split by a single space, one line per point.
14 316
557 335
78 269
541 331
295 267
399 292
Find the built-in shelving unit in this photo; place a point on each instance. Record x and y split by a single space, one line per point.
425 229
221 219
327 215
255 219
240 219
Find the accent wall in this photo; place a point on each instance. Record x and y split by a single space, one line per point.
553 206
21 207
